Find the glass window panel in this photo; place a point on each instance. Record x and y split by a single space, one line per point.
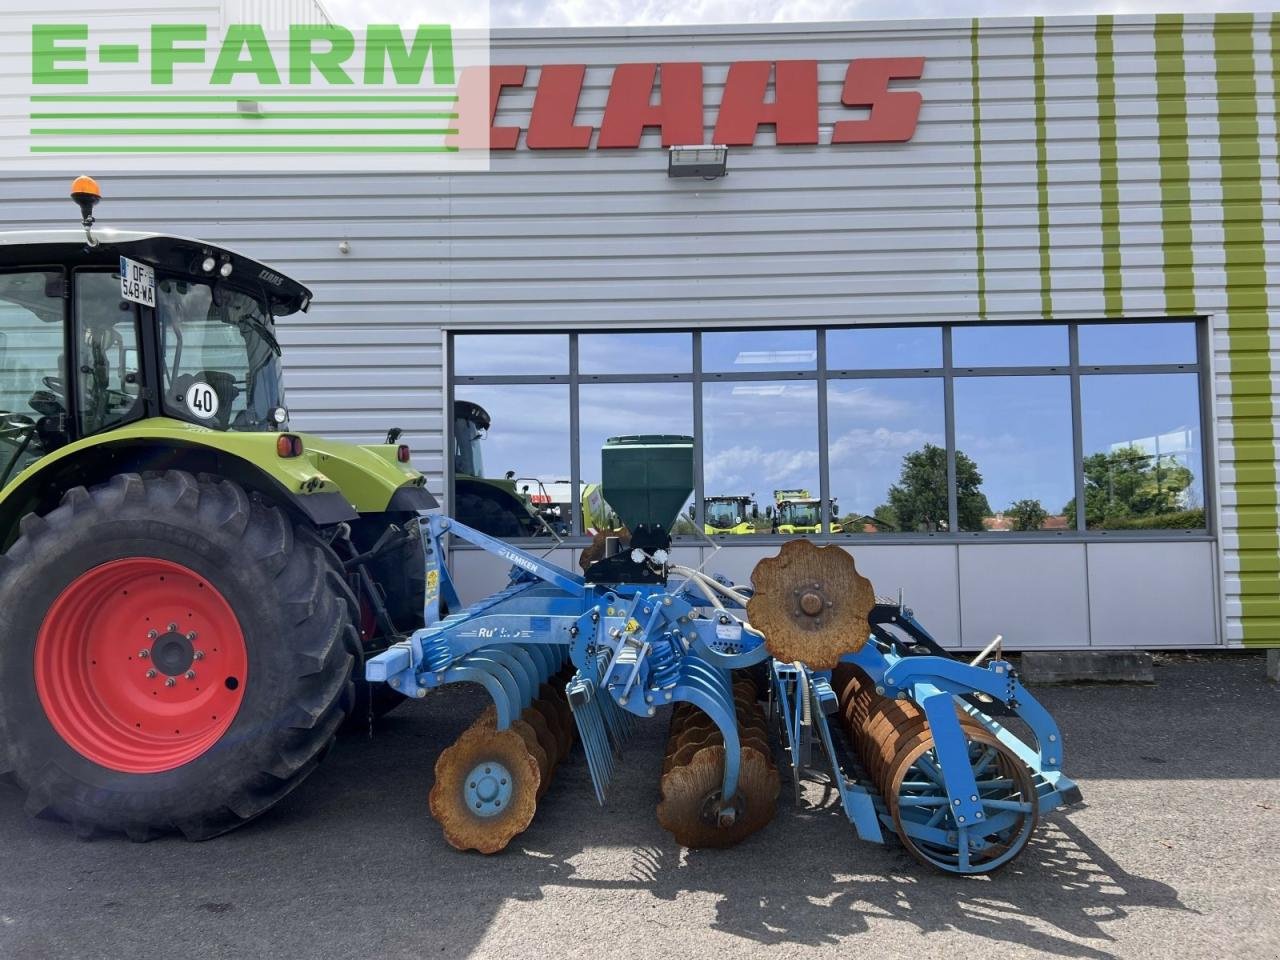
1014 453
31 369
624 409
888 454
106 333
1143 465
760 447
635 353
884 348
759 351
222 365
503 355
1128 343
1013 345
511 450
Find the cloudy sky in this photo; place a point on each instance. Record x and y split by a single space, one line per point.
576 13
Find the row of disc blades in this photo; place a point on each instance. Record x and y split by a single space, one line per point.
693 773
518 761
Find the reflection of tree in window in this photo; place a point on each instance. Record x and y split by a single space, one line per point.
918 501
1142 446
1130 489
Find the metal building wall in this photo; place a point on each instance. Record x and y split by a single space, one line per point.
1100 180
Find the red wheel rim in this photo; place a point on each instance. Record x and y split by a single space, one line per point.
140 665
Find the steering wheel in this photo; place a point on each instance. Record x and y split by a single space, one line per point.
55 384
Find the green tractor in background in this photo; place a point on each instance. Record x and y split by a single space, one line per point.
797 512
490 505
187 588
730 515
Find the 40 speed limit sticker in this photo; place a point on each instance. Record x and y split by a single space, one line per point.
202 400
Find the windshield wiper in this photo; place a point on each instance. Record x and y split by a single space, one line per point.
262 330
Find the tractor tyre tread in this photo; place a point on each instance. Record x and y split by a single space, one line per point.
294 608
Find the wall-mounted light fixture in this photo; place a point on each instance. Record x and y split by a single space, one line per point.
708 162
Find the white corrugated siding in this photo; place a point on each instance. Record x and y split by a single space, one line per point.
795 235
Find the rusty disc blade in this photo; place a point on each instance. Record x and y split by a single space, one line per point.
564 727
811 604
690 795
546 739
488 720
463 827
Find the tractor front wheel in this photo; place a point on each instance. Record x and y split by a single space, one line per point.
174 655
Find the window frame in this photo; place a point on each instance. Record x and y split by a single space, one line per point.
948 373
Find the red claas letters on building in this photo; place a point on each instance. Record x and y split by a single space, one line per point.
669 97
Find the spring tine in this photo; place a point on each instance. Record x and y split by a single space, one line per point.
586 708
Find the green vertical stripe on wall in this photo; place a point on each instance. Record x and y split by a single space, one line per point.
1042 171
977 171
1248 326
1175 166
1109 168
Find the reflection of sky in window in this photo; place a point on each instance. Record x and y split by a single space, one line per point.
1149 411
629 409
884 348
1127 343
759 437
635 353
871 426
1018 432
530 429
1020 345
759 351
488 355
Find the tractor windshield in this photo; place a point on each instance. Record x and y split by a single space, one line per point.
799 514
221 359
723 514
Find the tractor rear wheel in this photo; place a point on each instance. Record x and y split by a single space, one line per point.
174 655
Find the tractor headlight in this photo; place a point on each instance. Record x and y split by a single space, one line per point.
279 416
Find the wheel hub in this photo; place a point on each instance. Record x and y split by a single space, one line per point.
488 789
173 653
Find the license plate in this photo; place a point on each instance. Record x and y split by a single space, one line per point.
137 282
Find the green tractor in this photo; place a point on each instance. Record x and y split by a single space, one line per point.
731 514
490 505
187 587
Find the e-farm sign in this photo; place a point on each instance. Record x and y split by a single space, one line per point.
268 86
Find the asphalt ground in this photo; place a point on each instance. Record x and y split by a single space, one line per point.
1176 854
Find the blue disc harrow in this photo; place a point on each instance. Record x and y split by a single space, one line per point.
915 742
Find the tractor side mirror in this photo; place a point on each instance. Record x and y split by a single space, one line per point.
130 371
755 511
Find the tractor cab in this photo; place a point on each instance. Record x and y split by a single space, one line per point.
470 424
797 511
104 328
729 514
